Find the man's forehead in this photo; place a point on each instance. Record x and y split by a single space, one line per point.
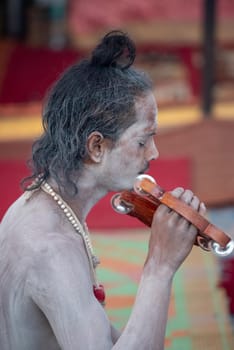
144 126
146 108
149 122
151 129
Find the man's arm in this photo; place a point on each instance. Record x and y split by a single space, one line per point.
60 285
171 240
115 334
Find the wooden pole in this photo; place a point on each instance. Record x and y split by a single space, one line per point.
209 21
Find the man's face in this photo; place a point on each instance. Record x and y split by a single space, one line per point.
135 148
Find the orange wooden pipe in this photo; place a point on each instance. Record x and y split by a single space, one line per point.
150 195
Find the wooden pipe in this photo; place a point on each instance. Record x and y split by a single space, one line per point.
148 195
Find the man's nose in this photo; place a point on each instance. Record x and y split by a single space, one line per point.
153 152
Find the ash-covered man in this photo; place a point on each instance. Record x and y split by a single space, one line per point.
99 129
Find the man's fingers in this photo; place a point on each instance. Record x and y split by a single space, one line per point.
177 192
195 203
186 196
202 209
163 209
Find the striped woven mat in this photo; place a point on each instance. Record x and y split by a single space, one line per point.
198 317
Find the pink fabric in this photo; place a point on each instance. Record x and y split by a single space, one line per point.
87 16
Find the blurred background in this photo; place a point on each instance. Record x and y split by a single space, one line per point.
188 50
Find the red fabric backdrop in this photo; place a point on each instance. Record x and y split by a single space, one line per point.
169 173
30 72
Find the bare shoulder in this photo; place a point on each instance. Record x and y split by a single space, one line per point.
50 253
34 226
60 254
48 248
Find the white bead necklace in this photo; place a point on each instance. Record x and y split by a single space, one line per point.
71 216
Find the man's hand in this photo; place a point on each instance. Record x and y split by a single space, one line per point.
172 236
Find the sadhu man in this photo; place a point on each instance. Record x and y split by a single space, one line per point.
100 120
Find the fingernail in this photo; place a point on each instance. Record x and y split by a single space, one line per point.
180 189
203 205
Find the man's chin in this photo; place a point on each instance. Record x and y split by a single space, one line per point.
128 185
125 188
143 171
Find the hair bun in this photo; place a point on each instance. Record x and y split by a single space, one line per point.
115 50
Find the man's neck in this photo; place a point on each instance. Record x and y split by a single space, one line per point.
89 193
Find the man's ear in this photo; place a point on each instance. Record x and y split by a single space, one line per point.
96 146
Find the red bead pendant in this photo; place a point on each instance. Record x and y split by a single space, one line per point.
99 293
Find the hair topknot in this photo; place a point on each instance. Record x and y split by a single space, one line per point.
116 49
